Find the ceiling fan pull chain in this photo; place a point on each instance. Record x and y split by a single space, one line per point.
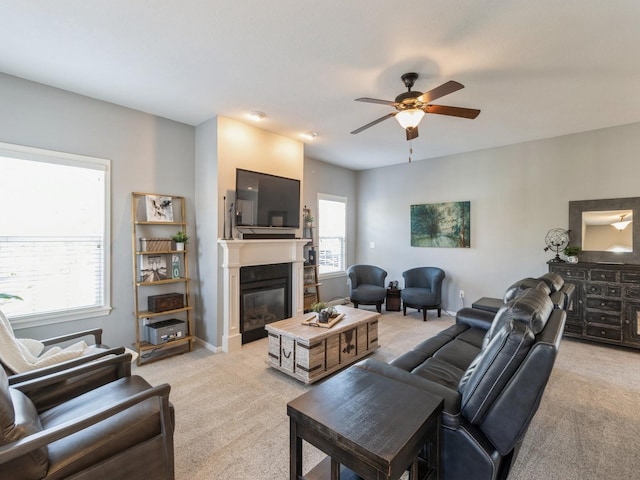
410 150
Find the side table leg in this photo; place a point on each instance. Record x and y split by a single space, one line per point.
295 451
335 470
413 473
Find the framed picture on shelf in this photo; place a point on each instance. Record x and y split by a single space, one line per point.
153 268
159 208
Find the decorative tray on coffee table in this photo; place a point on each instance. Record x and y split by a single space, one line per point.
312 321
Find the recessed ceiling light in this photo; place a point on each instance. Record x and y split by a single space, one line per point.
310 135
257 116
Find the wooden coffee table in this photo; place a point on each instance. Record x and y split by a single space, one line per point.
309 353
371 426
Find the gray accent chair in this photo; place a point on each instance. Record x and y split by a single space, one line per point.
422 289
367 285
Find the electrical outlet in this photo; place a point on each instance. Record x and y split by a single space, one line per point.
461 293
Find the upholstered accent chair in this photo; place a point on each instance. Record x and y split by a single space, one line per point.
367 285
422 289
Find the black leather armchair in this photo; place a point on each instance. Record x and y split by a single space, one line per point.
121 429
367 285
422 289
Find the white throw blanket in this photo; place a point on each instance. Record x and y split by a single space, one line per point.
23 354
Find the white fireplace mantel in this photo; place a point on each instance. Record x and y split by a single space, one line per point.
242 253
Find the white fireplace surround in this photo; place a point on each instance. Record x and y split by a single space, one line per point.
242 253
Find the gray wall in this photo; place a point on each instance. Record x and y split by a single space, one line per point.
206 194
321 177
517 194
147 153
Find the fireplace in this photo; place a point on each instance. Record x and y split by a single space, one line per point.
265 297
243 253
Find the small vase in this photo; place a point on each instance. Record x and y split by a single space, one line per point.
572 259
179 246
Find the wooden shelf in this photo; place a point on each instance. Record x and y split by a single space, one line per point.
163 282
161 252
143 222
141 229
146 314
145 346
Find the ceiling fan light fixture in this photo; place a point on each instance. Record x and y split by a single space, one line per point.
257 116
310 135
410 118
622 224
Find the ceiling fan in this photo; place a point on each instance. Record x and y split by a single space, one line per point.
412 105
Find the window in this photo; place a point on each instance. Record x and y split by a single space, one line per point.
332 233
54 236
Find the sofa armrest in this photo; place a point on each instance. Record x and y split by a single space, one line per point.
45 437
475 318
59 367
95 332
48 391
451 397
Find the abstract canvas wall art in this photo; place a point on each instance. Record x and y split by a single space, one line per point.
441 225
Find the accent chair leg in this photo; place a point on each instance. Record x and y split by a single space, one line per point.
379 307
424 314
355 304
404 310
439 312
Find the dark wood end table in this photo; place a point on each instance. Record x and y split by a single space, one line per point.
393 301
370 426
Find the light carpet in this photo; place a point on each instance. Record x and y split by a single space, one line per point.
231 418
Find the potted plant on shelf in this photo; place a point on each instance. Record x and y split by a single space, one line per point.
181 238
308 220
572 252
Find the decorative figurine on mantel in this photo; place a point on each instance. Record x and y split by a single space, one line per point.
307 219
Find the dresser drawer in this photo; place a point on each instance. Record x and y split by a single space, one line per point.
630 277
604 304
632 293
604 289
604 332
570 272
604 275
601 317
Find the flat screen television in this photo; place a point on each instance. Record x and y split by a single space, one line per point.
264 200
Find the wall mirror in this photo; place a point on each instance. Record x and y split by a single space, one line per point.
605 229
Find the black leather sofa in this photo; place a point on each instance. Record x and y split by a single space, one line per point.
491 371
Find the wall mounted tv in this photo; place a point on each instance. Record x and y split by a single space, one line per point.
264 200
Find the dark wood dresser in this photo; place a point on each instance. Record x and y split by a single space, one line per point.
606 305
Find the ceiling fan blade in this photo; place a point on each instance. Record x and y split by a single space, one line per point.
412 133
375 100
444 89
452 111
371 124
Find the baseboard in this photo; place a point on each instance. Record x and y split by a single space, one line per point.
208 346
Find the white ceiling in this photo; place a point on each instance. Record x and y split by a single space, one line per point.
536 69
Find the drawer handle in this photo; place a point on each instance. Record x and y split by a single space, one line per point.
627 322
602 332
285 354
568 274
602 304
602 318
602 275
